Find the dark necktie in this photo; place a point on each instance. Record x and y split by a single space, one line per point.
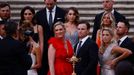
118 42
78 47
50 19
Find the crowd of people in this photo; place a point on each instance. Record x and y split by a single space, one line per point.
43 42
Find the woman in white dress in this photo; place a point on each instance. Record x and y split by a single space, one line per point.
108 53
33 47
35 55
27 14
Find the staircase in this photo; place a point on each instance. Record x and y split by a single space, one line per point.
87 8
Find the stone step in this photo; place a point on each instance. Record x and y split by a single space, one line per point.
87 8
94 7
70 0
86 12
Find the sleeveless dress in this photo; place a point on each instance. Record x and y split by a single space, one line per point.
36 37
72 38
33 56
33 71
107 56
61 65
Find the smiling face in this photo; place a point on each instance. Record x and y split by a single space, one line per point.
28 15
59 31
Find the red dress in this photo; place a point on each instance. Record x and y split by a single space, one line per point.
61 65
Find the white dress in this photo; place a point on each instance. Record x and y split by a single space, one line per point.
107 56
33 71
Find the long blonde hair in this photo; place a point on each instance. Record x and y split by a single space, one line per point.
112 19
103 47
111 26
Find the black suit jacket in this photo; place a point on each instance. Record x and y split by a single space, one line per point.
97 22
41 17
88 55
14 59
127 43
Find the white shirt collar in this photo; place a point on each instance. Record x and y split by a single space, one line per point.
112 11
1 37
84 39
53 13
0 19
53 10
122 39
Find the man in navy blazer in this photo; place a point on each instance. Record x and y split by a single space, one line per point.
14 59
108 7
87 52
125 67
42 18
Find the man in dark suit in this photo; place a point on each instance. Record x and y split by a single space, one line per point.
125 67
47 17
108 7
14 59
86 50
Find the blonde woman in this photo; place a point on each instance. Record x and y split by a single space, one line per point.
59 51
107 21
108 53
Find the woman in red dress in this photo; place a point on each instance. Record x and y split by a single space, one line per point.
60 50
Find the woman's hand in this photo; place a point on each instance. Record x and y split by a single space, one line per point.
111 63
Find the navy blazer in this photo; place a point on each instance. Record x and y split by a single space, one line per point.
97 22
14 59
127 43
88 55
